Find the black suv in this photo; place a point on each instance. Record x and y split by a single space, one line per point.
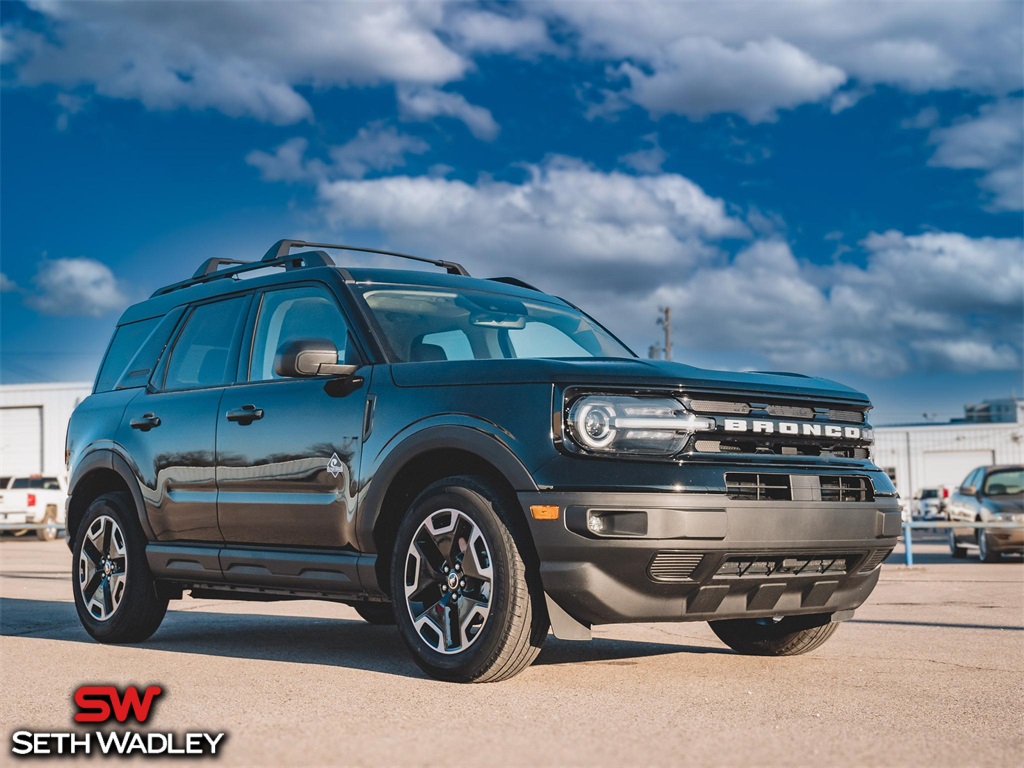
474 460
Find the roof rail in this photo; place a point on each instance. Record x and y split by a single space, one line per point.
516 282
209 271
280 249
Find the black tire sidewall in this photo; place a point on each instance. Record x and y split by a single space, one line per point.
139 595
464 665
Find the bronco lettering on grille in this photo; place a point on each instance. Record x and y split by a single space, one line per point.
768 427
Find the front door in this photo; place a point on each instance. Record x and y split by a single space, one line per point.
288 449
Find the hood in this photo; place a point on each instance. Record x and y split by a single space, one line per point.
620 372
1005 504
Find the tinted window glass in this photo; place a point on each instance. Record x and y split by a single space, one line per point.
290 315
1005 482
201 356
46 483
127 340
450 345
543 340
137 373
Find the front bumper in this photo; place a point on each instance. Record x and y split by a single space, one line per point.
705 557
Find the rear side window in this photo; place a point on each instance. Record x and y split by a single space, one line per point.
44 483
125 344
203 354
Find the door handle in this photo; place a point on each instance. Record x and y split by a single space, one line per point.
247 414
146 423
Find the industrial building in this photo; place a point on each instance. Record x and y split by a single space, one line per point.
33 426
918 456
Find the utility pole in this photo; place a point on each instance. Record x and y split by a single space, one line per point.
665 321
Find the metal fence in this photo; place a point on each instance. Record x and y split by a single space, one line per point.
910 525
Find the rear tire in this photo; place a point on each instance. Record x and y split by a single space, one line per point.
115 593
468 606
955 550
48 534
378 614
788 636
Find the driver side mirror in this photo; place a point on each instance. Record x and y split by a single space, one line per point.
969 490
310 357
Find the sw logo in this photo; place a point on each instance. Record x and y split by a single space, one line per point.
107 704
98 703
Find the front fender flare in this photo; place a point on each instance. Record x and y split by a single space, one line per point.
474 439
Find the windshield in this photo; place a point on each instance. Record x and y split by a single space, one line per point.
1006 482
46 483
424 324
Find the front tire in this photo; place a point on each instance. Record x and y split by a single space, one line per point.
115 594
985 554
955 550
788 636
469 608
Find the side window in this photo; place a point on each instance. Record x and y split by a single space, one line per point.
293 314
201 356
972 479
126 342
448 345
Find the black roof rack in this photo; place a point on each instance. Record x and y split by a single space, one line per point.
281 247
208 270
516 282
278 256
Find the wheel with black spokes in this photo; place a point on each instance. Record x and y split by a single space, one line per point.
469 607
115 595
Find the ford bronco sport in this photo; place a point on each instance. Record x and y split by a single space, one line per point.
473 460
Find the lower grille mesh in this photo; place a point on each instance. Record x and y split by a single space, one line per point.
672 565
875 560
780 565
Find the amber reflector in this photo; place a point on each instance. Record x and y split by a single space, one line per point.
544 512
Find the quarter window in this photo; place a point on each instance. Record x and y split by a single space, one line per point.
127 340
294 314
202 355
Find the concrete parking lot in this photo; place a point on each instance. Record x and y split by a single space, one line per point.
930 672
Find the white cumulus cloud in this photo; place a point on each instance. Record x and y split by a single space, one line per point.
79 287
424 103
993 142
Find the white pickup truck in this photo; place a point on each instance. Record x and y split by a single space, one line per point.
32 499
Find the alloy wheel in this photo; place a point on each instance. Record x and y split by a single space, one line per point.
102 567
448 581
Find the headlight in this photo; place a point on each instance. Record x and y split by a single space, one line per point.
621 424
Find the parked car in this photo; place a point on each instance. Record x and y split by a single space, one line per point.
988 494
472 459
34 499
927 504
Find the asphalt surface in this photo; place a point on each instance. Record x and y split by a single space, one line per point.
930 672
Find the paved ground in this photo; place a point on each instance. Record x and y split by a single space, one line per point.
931 672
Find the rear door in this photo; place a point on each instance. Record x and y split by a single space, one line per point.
170 428
288 449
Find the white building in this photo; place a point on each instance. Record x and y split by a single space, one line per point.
34 424
920 456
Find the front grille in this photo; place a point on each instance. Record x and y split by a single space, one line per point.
875 560
857 417
719 406
673 565
757 487
778 449
843 488
763 486
790 411
786 565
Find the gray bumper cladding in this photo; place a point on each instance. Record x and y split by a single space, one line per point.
616 558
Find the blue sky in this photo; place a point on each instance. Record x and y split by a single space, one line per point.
833 188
